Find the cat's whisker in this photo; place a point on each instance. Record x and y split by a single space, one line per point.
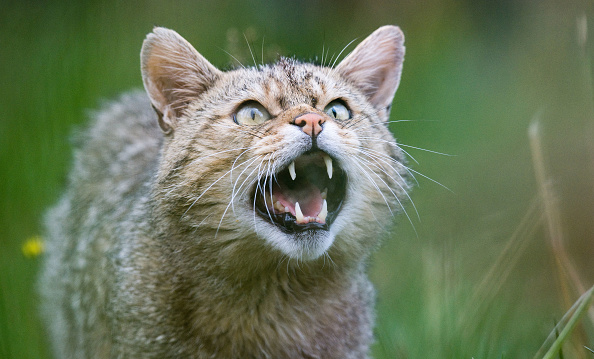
326 57
383 155
384 123
410 170
201 158
235 183
266 179
377 160
263 50
254 202
426 150
391 144
233 57
340 53
331 59
387 123
365 115
399 145
210 186
391 191
234 194
271 174
429 178
250 48
357 163
250 131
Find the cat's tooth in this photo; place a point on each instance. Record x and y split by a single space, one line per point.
328 162
298 214
324 212
279 206
292 170
325 193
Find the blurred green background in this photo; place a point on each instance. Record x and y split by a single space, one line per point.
477 275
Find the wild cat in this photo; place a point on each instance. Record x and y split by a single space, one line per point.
228 214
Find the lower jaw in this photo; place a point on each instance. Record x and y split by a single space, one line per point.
307 245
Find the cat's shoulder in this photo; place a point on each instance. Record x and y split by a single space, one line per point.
122 136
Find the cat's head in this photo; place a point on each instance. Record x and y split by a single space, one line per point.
291 155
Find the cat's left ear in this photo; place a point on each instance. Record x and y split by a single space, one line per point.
376 64
173 73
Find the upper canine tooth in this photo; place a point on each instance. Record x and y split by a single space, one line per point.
328 162
298 213
292 170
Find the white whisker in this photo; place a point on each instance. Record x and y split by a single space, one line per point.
250 48
234 193
340 53
429 178
234 58
394 194
209 187
381 168
356 162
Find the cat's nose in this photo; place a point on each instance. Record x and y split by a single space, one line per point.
310 123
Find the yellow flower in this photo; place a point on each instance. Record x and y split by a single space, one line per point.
33 247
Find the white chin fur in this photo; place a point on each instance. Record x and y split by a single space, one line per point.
308 245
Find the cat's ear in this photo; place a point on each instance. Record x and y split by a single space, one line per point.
173 73
376 64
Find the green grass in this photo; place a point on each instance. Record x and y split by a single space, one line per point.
492 265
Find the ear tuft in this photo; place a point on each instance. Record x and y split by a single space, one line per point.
375 65
173 73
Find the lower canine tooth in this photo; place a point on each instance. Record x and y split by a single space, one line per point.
298 213
328 162
324 212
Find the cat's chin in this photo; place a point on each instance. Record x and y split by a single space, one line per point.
305 245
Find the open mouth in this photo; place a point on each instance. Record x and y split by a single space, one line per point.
305 195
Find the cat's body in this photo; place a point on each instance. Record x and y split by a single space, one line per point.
166 243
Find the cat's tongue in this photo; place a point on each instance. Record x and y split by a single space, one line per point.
307 195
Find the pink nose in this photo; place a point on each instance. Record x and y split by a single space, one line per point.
310 123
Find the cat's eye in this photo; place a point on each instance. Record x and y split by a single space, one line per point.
337 110
251 113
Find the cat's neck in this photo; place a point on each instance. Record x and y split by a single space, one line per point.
249 306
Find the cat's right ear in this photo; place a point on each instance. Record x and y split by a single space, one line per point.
173 73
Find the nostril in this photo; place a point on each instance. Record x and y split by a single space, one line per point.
300 122
310 123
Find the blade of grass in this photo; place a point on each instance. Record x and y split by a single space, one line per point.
580 306
502 267
568 275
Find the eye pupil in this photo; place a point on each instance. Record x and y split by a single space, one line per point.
338 110
251 113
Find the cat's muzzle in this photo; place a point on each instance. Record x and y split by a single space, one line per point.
305 195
